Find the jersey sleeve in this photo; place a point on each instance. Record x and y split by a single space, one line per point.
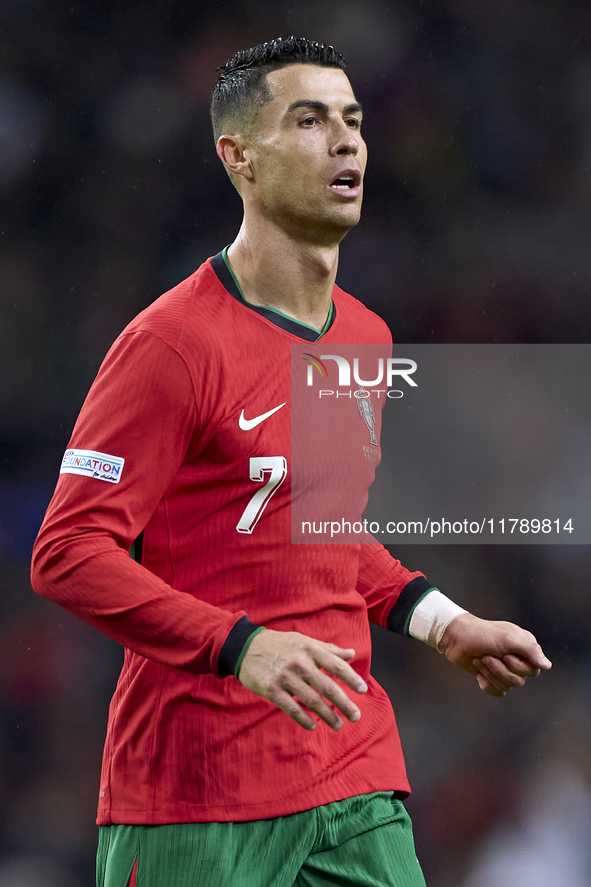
141 409
391 591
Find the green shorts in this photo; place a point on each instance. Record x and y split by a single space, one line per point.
364 841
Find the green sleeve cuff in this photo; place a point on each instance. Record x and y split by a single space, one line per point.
400 615
415 605
245 648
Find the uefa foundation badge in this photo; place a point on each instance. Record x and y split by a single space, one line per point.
89 463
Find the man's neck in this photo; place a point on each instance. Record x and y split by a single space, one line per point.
277 272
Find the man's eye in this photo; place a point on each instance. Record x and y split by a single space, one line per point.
354 122
309 121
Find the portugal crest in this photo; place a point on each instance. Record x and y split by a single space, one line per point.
367 414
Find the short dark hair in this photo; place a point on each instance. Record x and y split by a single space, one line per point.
241 87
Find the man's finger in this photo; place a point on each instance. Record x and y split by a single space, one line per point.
487 687
344 653
520 666
290 706
499 669
491 679
339 668
331 691
306 693
540 660
524 646
317 705
312 679
497 673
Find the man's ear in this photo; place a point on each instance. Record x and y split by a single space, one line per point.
235 155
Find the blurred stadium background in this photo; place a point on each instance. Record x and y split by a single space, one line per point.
476 228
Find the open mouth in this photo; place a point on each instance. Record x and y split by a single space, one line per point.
344 183
347 182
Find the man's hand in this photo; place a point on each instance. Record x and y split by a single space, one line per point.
281 665
500 654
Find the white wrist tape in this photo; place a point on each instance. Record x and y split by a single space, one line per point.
431 617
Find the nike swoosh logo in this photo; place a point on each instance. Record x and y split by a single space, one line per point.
247 424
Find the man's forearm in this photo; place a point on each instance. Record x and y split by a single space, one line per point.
96 580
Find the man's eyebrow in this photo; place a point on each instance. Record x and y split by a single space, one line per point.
353 108
322 107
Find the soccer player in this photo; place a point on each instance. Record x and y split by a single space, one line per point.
247 742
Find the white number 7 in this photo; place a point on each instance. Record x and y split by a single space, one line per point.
277 465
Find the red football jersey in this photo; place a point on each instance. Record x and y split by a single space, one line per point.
163 447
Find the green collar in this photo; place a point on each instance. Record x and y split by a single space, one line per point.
321 332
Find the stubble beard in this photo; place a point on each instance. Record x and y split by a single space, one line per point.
323 228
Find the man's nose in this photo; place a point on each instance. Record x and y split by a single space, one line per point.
346 140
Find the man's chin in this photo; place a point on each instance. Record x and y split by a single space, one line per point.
322 229
337 224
